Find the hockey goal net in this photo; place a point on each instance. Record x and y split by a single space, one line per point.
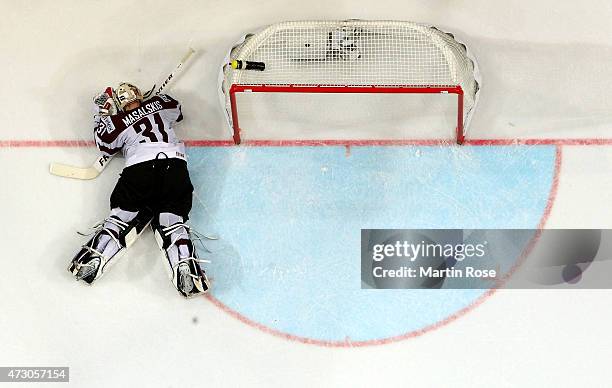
352 56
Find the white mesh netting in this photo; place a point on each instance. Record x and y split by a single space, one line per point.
354 52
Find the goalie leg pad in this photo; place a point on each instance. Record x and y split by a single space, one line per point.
110 239
179 254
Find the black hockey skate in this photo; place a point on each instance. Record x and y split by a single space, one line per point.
191 279
85 266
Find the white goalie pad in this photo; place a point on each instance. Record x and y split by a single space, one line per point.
180 256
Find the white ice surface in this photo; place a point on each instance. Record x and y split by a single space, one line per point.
546 74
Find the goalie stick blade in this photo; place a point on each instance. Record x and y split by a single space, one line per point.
67 171
73 172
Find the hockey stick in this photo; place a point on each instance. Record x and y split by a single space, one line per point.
68 171
102 161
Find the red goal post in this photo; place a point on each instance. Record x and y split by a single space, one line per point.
352 56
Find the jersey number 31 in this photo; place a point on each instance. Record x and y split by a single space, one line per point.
145 126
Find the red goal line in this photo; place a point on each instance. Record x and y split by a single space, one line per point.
327 142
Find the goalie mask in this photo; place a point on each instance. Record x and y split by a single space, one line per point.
127 93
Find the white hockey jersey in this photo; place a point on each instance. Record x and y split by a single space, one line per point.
143 133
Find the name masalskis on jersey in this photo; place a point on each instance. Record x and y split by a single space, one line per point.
141 112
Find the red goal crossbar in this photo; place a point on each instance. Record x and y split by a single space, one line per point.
236 88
